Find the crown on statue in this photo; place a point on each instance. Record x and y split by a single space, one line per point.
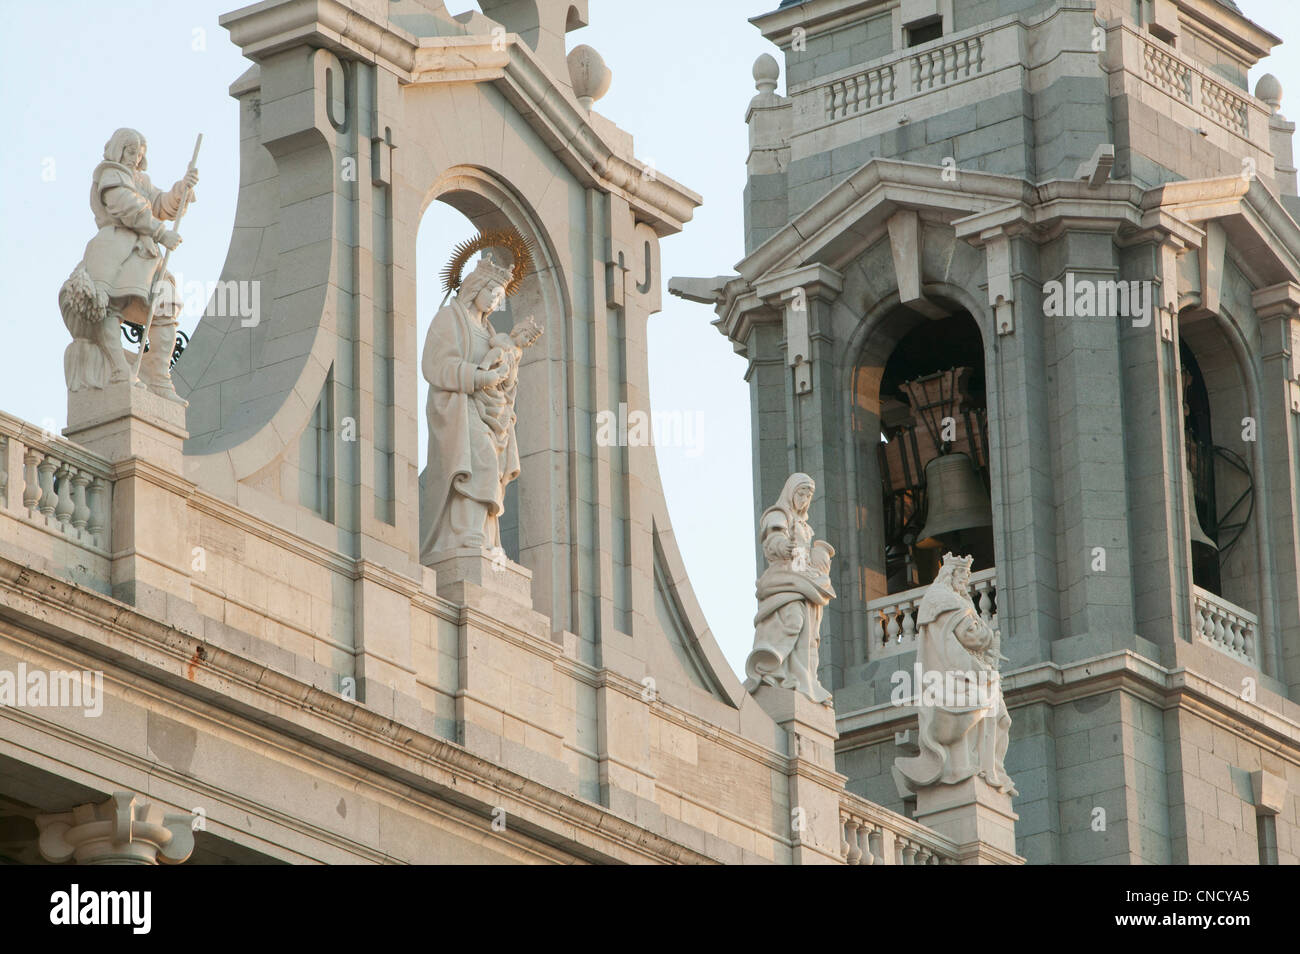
488 272
954 561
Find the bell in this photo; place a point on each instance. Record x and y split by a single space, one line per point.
956 499
1198 534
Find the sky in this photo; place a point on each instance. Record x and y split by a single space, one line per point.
681 84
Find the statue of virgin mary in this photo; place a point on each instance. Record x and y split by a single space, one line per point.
473 378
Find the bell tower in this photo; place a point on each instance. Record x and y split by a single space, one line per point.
1020 281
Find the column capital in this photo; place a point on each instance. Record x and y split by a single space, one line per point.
124 830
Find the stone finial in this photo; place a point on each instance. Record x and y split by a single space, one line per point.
589 74
120 831
766 73
1269 89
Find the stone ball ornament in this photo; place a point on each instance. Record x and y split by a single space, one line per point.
591 77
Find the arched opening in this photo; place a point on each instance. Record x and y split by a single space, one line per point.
1218 469
1219 461
932 452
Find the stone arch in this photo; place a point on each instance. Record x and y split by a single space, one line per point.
872 339
1225 356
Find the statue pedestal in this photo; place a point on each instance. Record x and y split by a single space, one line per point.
974 815
815 787
123 421
142 436
493 572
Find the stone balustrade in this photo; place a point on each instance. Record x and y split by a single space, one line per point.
1227 627
905 76
892 619
1162 67
51 483
872 835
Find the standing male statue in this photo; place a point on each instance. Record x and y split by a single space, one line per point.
964 723
473 378
117 275
792 594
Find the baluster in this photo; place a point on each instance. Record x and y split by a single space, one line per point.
1248 641
986 603
875 853
98 521
1219 631
64 507
924 856
892 629
909 622
1239 635
849 847
909 852
31 485
80 511
45 470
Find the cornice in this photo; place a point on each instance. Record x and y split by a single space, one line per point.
279 707
1057 684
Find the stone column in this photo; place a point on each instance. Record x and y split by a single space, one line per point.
1020 436
1157 475
1278 309
121 831
814 785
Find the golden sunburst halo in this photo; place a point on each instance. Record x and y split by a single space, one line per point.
520 248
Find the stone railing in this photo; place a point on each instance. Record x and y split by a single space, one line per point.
891 620
53 484
947 64
872 835
907 75
1228 628
1187 82
860 93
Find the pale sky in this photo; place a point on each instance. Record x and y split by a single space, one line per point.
75 70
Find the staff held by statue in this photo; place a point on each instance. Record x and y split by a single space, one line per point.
162 272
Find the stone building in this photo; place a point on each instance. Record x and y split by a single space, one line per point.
1021 279
219 643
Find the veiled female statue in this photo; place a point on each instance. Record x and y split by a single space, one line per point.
964 723
473 375
792 593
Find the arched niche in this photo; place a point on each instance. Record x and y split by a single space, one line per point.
533 501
